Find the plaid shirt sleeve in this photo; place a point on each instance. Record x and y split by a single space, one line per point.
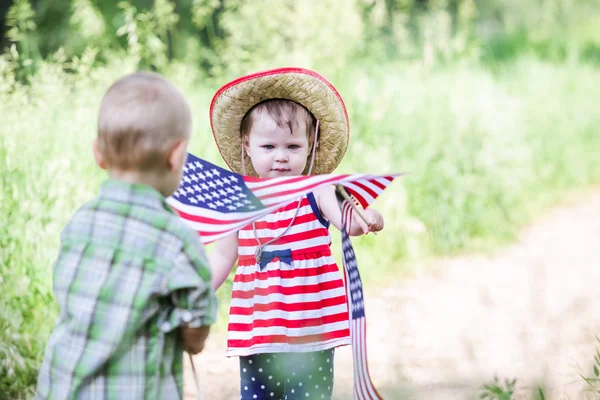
189 285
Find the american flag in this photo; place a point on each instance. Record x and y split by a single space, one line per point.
363 386
216 202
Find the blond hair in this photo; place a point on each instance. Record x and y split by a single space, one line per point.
141 116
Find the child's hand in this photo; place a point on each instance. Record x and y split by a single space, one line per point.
194 338
374 222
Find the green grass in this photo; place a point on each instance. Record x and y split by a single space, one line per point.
592 378
487 151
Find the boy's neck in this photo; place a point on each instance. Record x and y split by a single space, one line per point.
150 178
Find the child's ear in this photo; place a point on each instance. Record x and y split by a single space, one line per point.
246 144
177 156
98 155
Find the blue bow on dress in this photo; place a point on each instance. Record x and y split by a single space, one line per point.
268 256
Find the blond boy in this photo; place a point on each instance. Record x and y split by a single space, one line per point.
131 280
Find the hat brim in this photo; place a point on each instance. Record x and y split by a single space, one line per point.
231 103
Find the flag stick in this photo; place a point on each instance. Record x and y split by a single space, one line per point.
342 191
198 392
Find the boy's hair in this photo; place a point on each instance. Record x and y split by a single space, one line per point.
285 113
141 117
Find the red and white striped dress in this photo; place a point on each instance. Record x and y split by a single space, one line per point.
296 305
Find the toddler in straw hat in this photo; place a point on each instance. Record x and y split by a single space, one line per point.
289 310
131 279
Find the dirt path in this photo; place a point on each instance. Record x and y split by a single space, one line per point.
529 311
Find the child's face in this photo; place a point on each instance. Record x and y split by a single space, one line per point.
274 151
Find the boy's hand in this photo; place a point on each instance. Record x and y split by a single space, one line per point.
374 222
194 338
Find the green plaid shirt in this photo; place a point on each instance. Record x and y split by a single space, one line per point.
129 273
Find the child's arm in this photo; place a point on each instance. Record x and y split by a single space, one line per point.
329 206
223 258
193 302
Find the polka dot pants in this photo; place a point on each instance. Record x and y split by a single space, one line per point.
287 376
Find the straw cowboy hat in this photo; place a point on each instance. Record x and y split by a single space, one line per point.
302 86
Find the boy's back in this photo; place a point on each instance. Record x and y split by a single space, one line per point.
121 256
131 279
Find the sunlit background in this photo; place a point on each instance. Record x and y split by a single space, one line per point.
491 105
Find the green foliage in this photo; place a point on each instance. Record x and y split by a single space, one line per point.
498 391
147 31
507 391
592 381
20 23
263 33
487 104
10 71
553 30
87 20
477 144
229 37
20 20
43 158
202 13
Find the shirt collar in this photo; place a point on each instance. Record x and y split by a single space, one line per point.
134 193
